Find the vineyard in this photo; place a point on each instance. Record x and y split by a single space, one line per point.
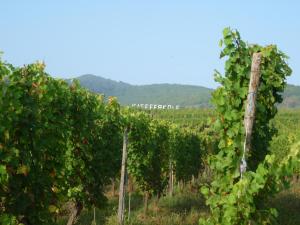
64 150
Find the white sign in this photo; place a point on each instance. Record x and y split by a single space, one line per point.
155 106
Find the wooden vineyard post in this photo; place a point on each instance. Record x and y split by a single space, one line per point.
121 207
130 190
94 221
171 179
250 106
146 197
251 99
75 212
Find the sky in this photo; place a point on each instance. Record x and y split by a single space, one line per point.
142 42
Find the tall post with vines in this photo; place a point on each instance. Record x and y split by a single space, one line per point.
232 199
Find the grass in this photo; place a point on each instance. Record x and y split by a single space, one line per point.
287 204
184 209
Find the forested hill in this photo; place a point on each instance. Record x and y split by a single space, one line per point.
127 94
175 94
291 97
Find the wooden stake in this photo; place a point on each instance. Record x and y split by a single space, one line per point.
251 99
129 205
171 179
146 197
94 222
130 190
121 207
76 210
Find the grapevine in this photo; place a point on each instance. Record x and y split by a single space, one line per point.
233 200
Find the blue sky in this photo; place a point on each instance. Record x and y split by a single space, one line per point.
142 42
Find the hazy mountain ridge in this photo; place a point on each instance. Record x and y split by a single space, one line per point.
176 94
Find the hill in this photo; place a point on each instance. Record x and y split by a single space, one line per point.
127 94
291 97
174 94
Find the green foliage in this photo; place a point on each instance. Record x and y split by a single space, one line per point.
235 200
185 153
93 156
287 123
60 142
30 141
57 143
148 153
154 145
